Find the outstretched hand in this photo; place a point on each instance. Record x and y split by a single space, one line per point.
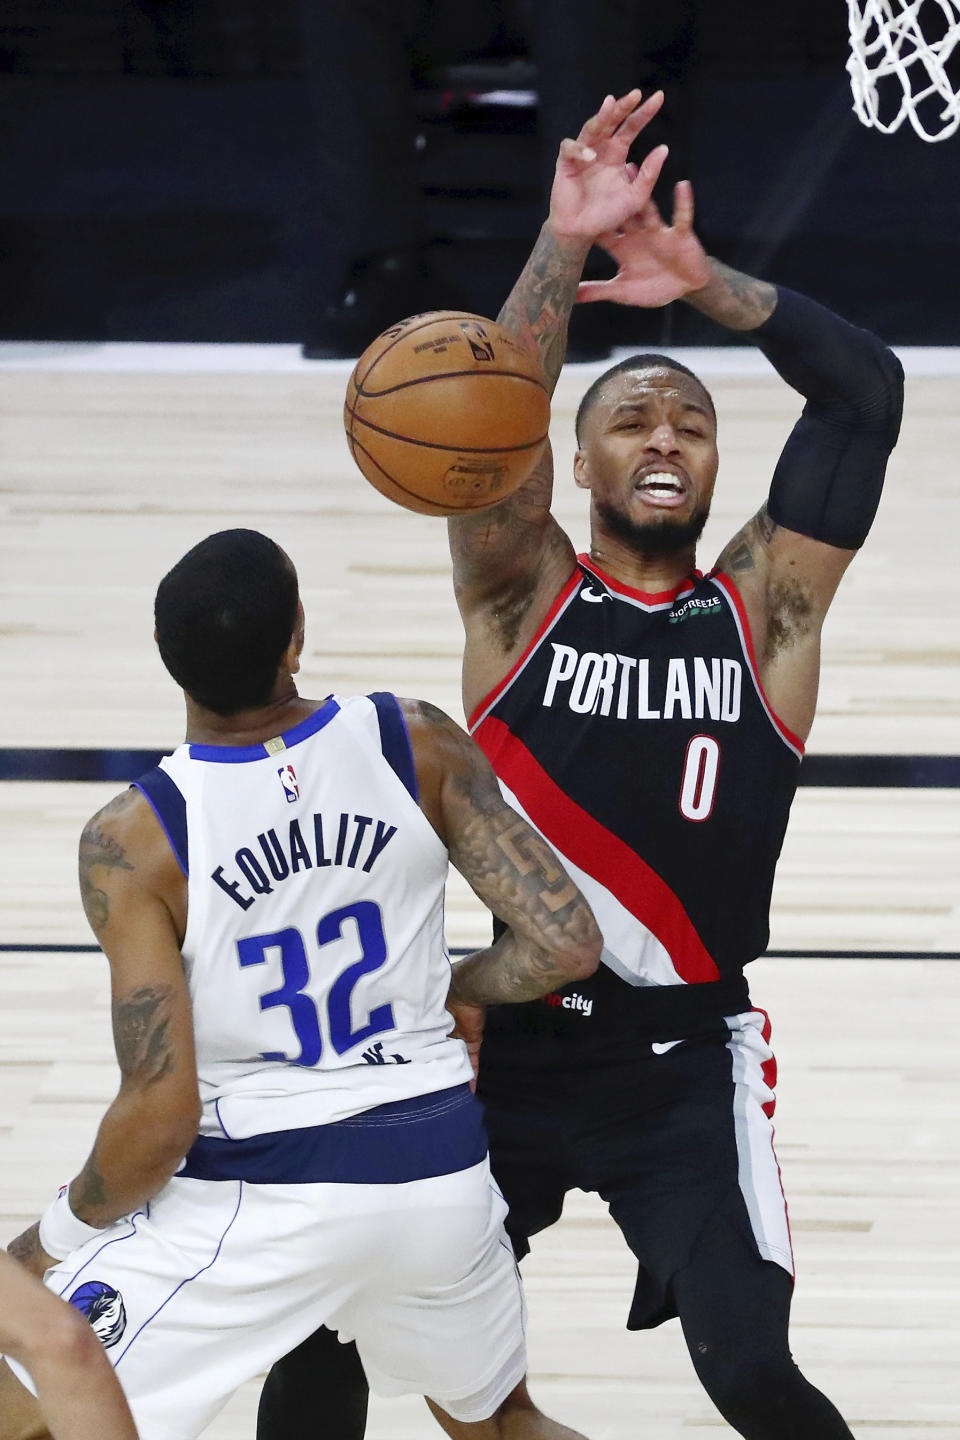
657 262
594 189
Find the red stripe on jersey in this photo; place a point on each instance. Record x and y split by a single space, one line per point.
596 850
731 590
548 619
662 597
769 1067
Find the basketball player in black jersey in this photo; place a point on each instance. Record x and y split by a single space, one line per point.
650 720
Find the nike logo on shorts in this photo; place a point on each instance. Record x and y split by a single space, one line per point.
660 1047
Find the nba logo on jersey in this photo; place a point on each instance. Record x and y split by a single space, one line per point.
288 779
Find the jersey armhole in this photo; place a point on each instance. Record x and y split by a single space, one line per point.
169 806
395 741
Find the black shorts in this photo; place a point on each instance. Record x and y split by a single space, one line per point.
676 1135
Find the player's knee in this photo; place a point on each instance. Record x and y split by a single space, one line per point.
71 1339
746 1388
518 1418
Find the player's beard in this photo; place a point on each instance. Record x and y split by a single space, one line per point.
654 539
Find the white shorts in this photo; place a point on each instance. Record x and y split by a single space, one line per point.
217 1279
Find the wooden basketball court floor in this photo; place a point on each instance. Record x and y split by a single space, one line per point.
117 459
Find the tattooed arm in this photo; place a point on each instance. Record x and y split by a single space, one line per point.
510 561
789 559
134 897
553 937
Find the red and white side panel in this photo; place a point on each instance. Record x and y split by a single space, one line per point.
754 1075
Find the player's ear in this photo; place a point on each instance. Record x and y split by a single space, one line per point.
581 470
295 648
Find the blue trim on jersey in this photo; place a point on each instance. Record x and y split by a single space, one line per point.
239 754
395 740
389 1145
169 806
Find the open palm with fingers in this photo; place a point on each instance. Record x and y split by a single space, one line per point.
595 190
657 262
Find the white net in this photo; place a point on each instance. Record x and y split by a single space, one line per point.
900 51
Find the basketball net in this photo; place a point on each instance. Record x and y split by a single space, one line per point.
892 63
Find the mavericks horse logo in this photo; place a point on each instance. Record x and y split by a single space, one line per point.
103 1307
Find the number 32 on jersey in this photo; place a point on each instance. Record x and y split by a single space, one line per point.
292 993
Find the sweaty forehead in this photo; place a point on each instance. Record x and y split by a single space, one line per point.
653 383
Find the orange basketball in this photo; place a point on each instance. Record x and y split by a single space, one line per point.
446 412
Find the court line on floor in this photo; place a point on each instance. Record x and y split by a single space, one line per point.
59 948
881 772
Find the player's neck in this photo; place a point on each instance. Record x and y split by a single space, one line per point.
248 727
650 573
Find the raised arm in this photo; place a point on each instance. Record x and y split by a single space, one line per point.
553 937
788 560
130 886
509 562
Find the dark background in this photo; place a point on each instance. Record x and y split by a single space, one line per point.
161 167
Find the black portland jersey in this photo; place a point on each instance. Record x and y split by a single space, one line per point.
635 736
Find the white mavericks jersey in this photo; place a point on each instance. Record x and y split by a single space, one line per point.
314 949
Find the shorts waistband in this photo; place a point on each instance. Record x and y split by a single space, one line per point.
611 1018
391 1144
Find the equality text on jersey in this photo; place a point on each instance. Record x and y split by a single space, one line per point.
354 841
631 687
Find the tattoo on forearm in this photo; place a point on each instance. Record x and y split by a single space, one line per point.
735 300
88 1192
141 1024
539 305
98 849
27 1246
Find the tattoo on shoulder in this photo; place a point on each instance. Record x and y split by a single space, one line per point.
98 849
738 555
141 1024
424 710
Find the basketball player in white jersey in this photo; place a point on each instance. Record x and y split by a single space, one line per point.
76 1387
295 1141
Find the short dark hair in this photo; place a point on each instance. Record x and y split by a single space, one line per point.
224 615
648 361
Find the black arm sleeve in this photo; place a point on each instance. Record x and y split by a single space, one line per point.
828 480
